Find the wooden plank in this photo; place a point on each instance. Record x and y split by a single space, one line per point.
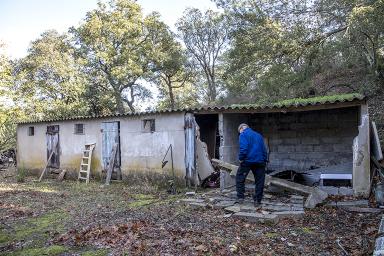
314 195
45 168
111 164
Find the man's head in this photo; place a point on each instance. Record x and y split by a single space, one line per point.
242 127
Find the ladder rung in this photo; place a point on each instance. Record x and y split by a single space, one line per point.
82 178
85 157
83 171
84 164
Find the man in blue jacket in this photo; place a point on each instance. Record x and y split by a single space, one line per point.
252 157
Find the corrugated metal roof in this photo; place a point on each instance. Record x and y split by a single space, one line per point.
285 104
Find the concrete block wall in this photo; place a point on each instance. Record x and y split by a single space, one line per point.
229 144
298 140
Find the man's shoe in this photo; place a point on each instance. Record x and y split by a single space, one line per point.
239 201
257 204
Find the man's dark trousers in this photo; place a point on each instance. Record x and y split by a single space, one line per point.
258 171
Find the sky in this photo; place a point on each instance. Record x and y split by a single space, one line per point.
22 21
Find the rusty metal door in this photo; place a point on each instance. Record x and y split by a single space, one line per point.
53 146
110 136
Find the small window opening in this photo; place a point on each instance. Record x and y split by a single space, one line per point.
79 128
31 131
148 125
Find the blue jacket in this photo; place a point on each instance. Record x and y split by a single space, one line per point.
252 147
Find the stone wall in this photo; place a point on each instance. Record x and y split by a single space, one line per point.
298 140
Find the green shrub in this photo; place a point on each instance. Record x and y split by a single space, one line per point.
21 174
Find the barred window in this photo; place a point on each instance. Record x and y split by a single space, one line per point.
79 128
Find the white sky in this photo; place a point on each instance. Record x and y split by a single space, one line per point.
22 21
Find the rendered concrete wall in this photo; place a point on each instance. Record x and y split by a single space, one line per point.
140 151
297 140
361 156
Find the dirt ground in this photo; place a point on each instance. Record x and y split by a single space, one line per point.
68 218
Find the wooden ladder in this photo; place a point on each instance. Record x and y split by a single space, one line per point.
85 165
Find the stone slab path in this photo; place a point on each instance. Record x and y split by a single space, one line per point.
273 207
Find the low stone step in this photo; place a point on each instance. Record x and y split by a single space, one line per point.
290 214
198 205
349 203
192 200
224 204
256 217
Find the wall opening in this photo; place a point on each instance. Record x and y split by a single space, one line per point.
53 146
299 141
209 133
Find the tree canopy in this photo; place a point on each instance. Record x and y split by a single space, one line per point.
247 51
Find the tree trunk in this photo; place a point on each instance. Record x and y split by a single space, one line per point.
171 96
130 105
211 90
119 103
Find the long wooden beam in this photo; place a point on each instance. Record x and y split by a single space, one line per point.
314 195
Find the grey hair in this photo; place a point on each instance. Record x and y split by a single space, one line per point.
243 125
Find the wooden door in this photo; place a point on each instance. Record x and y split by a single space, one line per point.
110 136
53 146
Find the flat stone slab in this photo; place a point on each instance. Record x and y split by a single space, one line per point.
190 193
290 204
232 209
289 214
350 203
379 247
216 199
192 200
346 191
362 209
224 204
256 217
198 205
278 208
297 197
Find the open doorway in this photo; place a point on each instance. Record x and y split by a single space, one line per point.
209 133
53 146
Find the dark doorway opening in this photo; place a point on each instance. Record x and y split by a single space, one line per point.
209 133
53 146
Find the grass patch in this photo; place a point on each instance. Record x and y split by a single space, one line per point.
37 229
141 200
142 197
51 250
100 252
307 230
21 174
4 238
271 235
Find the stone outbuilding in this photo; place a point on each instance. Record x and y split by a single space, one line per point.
301 134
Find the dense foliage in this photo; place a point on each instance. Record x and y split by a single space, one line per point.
249 51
